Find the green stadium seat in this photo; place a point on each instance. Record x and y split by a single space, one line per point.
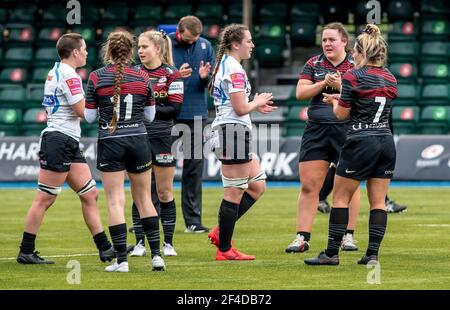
12 96
434 72
272 32
303 34
235 13
434 120
435 94
434 7
3 15
13 75
19 34
276 117
173 13
307 11
334 12
54 14
10 120
89 130
434 51
89 14
17 57
435 30
34 95
405 72
88 33
210 13
405 119
24 14
148 13
269 55
403 31
49 36
273 12
403 51
407 94
34 121
116 14
400 10
296 121
45 56
39 74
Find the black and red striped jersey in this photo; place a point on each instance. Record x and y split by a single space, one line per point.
369 92
135 93
168 91
315 70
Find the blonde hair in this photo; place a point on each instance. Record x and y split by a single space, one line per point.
119 51
161 40
372 45
342 31
230 34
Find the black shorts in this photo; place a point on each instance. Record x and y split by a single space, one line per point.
124 153
322 142
161 149
58 151
367 157
233 144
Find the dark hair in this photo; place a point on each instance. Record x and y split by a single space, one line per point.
230 34
67 43
118 50
372 45
342 31
191 23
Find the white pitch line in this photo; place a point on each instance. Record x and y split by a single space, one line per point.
434 225
54 256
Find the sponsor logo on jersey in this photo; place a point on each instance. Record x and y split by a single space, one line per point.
48 101
74 85
49 77
238 80
164 158
176 88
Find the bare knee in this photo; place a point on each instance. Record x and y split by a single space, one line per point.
90 197
165 194
45 201
310 188
256 189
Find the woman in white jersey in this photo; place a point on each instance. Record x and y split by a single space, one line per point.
60 157
243 180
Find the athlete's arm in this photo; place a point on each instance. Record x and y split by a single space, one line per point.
78 108
341 112
307 89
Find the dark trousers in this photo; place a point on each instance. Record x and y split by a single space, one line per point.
191 182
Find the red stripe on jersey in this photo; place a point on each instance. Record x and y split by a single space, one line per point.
389 92
135 88
90 105
382 73
94 78
178 98
351 78
306 77
344 104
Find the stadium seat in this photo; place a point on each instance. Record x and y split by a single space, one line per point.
90 14
405 119
210 13
435 94
307 11
303 33
19 34
403 51
17 57
88 33
235 12
23 14
434 7
89 130
272 12
405 72
12 96
173 13
271 32
269 55
276 116
34 121
334 12
34 95
149 13
435 29
49 36
296 121
54 14
434 72
46 56
13 75
39 74
403 31
434 120
400 10
3 16
407 94
116 14
10 120
434 51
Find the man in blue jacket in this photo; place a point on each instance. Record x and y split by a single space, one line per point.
194 56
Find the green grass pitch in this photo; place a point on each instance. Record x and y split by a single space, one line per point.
414 253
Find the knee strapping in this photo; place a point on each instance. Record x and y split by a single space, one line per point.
241 183
87 187
259 177
51 190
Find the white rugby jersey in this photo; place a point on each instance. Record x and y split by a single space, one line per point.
230 78
63 88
